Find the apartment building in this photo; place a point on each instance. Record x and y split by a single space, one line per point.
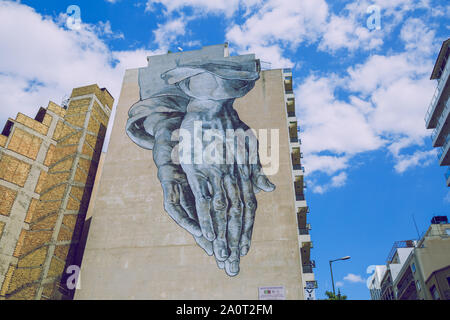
438 113
418 269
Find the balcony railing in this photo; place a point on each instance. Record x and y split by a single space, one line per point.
404 283
288 84
307 269
441 121
303 231
437 93
444 148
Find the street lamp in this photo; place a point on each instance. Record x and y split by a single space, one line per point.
331 269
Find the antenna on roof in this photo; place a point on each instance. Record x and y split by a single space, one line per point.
415 224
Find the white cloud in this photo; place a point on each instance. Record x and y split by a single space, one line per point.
104 29
272 27
330 124
168 32
336 182
278 25
42 61
339 284
388 99
339 180
347 32
353 278
348 29
418 158
327 164
417 36
203 6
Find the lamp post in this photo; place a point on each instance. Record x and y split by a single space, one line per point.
331 269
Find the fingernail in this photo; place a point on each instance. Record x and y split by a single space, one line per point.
235 267
224 253
244 251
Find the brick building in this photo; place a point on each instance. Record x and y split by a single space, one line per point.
47 170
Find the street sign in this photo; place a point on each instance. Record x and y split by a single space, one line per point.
272 293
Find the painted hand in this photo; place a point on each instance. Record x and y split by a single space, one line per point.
224 190
179 201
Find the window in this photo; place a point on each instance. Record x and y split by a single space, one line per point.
434 293
447 231
448 281
413 268
418 285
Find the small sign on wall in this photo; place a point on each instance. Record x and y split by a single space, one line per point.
310 290
272 293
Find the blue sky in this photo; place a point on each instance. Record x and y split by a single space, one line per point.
361 96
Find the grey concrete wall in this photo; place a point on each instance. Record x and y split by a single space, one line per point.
136 251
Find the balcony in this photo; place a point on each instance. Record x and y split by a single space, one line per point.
305 254
288 84
299 185
298 167
404 283
293 134
299 197
308 267
442 127
435 108
296 157
290 107
444 155
303 231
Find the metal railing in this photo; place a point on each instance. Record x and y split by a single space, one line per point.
444 147
404 283
440 86
399 244
307 269
303 231
291 114
441 121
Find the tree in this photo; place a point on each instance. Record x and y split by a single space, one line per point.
332 296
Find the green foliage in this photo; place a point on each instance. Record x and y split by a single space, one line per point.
332 296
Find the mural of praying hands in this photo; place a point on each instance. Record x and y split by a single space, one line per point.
214 199
225 201
224 192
